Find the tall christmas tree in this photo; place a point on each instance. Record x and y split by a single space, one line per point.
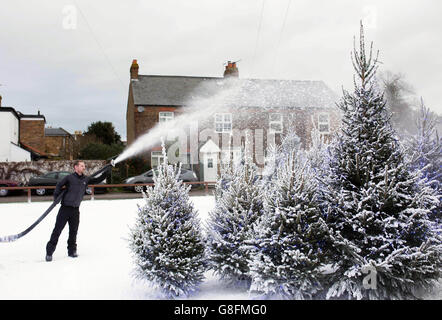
377 210
166 240
230 223
290 238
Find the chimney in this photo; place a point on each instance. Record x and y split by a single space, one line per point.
231 70
134 69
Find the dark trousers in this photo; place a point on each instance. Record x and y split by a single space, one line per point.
65 215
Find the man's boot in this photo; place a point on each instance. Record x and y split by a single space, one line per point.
73 254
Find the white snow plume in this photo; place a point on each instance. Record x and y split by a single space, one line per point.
200 106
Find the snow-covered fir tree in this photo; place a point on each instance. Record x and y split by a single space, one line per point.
166 241
290 238
318 154
278 153
425 149
230 223
224 179
377 210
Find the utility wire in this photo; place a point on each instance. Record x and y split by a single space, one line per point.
280 35
257 36
99 45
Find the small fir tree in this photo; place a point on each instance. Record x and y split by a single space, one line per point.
230 223
289 257
166 240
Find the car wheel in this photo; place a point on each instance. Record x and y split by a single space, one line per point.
139 188
40 192
3 192
89 191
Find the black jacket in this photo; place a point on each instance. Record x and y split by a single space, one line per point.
76 187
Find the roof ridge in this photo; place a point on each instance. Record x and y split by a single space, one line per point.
223 78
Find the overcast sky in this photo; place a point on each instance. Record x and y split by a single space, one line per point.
71 59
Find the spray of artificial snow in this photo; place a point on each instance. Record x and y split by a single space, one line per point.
197 109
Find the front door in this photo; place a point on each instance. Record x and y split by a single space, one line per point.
210 166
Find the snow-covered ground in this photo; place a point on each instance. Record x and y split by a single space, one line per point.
103 268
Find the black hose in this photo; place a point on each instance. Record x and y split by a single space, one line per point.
21 234
102 170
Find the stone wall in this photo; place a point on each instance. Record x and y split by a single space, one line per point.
23 171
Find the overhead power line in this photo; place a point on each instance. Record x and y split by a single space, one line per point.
99 45
280 35
257 36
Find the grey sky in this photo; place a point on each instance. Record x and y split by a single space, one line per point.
77 70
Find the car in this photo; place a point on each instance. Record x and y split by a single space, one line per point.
9 183
51 179
186 175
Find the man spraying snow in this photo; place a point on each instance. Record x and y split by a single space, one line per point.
76 184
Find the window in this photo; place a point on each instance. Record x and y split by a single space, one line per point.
165 116
275 122
156 158
223 122
210 163
324 123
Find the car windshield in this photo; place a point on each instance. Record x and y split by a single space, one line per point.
51 175
150 173
63 174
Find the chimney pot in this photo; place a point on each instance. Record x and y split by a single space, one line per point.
134 69
231 70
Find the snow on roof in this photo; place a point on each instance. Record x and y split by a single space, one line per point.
180 90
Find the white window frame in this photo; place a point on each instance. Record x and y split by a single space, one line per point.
165 116
278 122
324 122
223 122
158 156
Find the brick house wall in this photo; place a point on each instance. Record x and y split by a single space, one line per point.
59 146
32 133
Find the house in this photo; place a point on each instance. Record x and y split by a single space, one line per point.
59 143
10 149
21 135
267 108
